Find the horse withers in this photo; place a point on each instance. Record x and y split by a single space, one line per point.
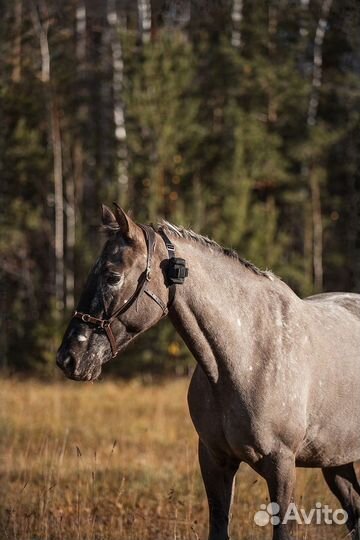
277 378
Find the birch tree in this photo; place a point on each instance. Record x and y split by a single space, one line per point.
41 22
82 107
312 115
115 24
144 15
236 17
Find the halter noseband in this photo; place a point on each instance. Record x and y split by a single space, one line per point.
176 272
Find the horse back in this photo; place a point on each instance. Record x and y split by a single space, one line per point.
349 301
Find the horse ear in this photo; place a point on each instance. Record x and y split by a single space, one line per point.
127 226
108 218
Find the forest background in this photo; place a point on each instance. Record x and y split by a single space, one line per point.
236 118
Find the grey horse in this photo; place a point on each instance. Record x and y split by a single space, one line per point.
277 378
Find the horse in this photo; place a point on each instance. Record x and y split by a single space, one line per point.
277 378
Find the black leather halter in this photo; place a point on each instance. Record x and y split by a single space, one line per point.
175 274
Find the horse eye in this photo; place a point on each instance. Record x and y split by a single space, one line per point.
113 279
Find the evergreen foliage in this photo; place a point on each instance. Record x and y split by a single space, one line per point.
217 137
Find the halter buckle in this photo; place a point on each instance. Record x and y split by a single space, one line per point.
85 317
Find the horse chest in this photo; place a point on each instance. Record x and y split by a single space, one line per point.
226 428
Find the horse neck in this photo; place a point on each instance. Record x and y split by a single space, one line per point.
220 305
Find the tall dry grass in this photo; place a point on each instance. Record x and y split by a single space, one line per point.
117 461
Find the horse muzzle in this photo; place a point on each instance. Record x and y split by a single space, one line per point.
74 369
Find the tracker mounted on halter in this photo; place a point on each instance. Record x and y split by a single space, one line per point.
176 271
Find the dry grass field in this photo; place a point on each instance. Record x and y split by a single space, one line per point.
117 461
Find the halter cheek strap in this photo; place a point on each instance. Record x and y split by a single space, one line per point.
175 273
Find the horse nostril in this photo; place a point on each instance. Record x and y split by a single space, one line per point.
66 363
70 364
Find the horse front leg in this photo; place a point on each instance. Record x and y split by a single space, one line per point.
279 473
218 475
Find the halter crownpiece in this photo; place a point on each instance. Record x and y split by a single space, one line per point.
176 272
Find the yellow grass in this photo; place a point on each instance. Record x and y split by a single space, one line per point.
117 461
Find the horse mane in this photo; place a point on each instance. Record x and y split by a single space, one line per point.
189 234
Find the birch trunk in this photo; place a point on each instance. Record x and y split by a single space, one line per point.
317 232
144 14
118 102
70 243
41 23
80 16
82 110
312 114
236 17
59 203
304 31
317 63
308 246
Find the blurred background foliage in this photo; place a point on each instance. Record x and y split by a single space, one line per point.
238 119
